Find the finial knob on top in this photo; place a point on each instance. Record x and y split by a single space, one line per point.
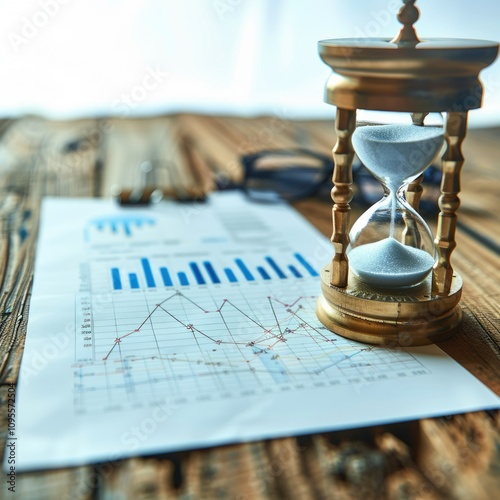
407 16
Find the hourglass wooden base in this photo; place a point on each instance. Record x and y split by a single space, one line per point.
405 317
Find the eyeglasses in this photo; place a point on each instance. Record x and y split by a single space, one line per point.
285 174
293 174
288 174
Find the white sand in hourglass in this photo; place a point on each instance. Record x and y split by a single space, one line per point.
395 154
388 263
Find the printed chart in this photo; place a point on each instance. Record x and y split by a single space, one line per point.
142 273
218 343
185 326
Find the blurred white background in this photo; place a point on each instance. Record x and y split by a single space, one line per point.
72 58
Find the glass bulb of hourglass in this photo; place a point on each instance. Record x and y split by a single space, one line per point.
390 244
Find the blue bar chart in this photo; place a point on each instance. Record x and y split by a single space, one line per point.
121 225
152 275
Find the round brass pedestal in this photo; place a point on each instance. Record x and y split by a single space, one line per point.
409 317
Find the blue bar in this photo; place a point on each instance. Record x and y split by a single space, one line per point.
134 282
117 281
263 273
183 280
148 273
244 269
306 264
211 272
165 276
230 275
294 271
275 267
197 273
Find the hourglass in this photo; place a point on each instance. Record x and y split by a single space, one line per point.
399 102
390 244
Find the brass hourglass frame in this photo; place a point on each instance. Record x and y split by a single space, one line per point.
409 75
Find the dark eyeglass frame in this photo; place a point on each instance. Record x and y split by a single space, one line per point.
249 162
362 178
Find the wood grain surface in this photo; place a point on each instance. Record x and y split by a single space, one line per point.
454 457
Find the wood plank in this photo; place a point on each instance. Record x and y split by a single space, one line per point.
460 455
131 143
480 183
217 150
138 478
447 458
76 483
227 472
287 468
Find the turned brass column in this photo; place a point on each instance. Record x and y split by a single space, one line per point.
343 155
452 162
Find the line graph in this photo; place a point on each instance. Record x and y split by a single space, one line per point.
274 332
195 344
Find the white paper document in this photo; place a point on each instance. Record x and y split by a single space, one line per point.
190 325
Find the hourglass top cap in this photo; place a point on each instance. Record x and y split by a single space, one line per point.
406 73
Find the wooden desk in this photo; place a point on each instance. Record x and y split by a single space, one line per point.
455 457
